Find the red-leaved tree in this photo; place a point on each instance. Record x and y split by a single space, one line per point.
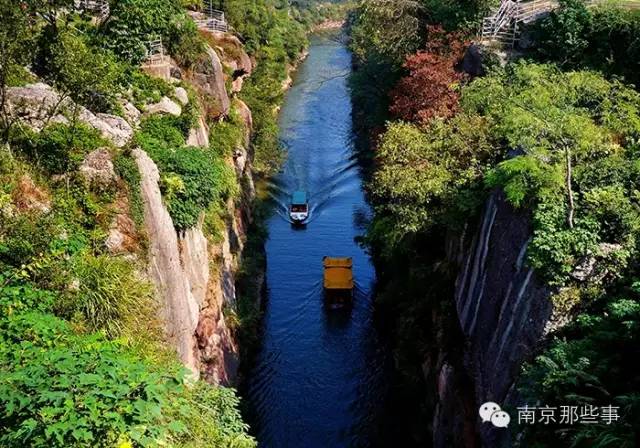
431 88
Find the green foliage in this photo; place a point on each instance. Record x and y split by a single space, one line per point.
550 115
525 178
61 389
68 390
147 89
225 136
202 181
16 49
94 84
422 172
556 249
132 23
184 42
59 148
275 39
24 237
126 168
604 38
386 30
591 362
564 34
191 178
109 293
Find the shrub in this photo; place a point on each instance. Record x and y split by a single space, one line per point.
202 181
225 136
431 89
191 178
133 23
94 85
185 43
23 237
60 148
564 34
109 293
604 38
63 389
147 89
125 166
58 389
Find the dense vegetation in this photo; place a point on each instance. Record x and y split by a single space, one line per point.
75 369
560 138
602 38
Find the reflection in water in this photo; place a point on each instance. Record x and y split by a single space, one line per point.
317 380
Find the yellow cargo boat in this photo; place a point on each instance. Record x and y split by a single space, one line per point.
338 281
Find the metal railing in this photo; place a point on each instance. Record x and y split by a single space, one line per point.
155 52
98 8
215 19
503 25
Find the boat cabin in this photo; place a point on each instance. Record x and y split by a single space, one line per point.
299 208
338 281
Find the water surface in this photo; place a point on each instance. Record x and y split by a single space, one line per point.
318 378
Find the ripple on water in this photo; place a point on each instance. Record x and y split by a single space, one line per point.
318 378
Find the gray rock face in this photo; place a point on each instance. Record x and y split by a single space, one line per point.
592 268
180 309
97 169
247 118
473 61
502 308
131 113
199 135
164 106
38 105
208 78
181 95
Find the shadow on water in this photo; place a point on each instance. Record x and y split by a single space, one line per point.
318 378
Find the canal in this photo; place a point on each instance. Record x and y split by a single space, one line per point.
318 379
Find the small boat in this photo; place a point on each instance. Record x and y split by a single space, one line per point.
299 208
338 281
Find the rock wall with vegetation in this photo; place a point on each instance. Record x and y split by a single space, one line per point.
126 200
505 228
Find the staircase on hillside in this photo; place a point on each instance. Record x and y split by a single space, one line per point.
504 25
214 19
96 8
155 54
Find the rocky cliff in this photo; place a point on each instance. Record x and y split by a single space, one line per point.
498 318
193 273
195 277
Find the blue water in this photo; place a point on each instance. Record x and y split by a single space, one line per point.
318 378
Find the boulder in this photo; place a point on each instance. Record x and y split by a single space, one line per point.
181 95
473 61
236 84
199 136
164 106
38 105
28 197
35 104
122 235
594 267
117 129
208 78
235 55
97 169
131 113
